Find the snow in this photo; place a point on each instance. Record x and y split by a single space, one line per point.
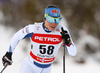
72 67
6 33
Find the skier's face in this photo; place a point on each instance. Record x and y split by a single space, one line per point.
50 26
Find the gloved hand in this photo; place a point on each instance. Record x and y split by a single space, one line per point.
65 36
7 58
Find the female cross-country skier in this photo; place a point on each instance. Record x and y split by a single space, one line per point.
46 38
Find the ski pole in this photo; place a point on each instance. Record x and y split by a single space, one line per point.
4 68
63 56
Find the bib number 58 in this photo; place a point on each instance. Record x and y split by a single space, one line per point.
49 50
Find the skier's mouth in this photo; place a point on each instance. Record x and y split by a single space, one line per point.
52 26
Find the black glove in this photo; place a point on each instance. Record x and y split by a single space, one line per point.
65 36
7 59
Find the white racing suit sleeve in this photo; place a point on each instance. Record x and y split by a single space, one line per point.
71 49
21 34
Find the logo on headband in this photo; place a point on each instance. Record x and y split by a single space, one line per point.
55 11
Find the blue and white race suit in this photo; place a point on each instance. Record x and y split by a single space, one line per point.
45 45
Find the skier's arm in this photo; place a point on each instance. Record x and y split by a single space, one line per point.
68 42
21 34
71 49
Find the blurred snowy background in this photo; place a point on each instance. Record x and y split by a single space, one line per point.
81 17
